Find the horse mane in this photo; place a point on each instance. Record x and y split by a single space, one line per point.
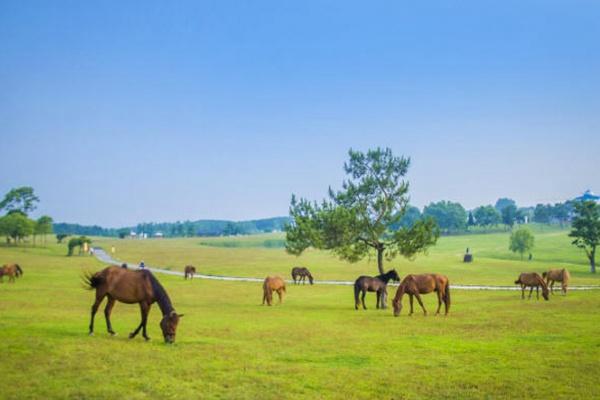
160 294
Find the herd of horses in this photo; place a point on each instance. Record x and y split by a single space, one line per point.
116 283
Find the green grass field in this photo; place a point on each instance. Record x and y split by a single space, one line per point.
315 345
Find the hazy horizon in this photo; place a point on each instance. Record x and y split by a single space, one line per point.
118 114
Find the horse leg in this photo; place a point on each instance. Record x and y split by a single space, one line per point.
530 291
145 320
280 295
364 293
421 303
99 297
439 296
552 287
107 310
137 330
522 292
384 298
537 292
378 296
410 297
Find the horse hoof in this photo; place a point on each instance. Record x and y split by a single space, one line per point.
146 338
113 333
131 335
91 334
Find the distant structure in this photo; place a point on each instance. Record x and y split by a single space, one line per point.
468 256
588 195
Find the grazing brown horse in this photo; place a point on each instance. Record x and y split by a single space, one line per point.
557 275
376 284
273 284
301 273
533 280
190 270
131 287
12 270
416 285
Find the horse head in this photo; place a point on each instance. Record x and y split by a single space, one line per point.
310 278
397 307
169 326
394 275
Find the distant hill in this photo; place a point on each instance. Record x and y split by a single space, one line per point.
203 227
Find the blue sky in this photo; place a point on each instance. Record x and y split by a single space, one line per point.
122 112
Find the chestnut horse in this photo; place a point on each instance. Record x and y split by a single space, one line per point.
533 280
301 273
557 275
12 270
190 270
132 287
376 284
273 284
416 285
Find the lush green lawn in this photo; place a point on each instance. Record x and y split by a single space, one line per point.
315 345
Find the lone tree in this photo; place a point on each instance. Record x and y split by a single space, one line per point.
21 199
359 219
586 229
521 241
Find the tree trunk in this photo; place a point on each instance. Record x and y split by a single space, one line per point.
380 259
380 250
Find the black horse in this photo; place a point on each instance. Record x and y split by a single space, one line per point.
376 284
300 274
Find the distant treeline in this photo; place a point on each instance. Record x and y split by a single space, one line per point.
179 228
451 217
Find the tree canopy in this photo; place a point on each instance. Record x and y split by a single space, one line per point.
521 241
586 229
451 217
20 199
361 217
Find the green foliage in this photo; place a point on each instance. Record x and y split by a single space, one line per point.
521 241
60 237
16 226
360 218
486 216
43 225
504 202
510 214
586 229
77 242
451 217
21 199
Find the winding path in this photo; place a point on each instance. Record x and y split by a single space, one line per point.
106 258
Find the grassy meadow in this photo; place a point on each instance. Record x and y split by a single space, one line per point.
315 345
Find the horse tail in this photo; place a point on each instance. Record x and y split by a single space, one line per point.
447 294
356 292
92 281
19 270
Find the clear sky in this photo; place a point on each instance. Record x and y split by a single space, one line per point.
122 112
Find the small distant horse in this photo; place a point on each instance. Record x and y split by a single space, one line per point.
301 273
270 285
132 287
376 284
532 280
12 270
416 285
190 270
557 275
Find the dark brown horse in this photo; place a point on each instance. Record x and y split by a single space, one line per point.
557 275
270 285
532 280
416 285
12 271
376 284
132 287
301 273
190 270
